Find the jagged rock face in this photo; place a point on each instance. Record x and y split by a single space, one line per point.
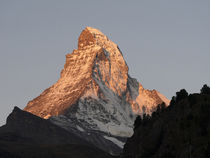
95 93
143 100
92 57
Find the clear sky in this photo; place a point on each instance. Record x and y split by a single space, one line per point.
166 43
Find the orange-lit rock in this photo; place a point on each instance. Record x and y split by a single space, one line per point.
97 59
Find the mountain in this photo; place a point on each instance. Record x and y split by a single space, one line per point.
182 130
26 135
95 98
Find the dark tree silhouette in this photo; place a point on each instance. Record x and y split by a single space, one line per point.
182 94
137 122
181 130
205 89
173 100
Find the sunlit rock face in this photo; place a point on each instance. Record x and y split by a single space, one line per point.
95 92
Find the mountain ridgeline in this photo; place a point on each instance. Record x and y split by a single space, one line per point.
181 130
95 97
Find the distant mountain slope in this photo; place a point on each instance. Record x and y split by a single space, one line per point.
26 135
180 131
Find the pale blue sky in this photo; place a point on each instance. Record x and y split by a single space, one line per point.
166 43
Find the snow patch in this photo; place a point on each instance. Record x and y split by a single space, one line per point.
115 141
80 128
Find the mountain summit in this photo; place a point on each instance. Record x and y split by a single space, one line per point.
95 96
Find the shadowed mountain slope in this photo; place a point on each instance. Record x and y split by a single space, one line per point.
28 136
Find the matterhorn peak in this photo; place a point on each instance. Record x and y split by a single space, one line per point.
97 57
95 92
